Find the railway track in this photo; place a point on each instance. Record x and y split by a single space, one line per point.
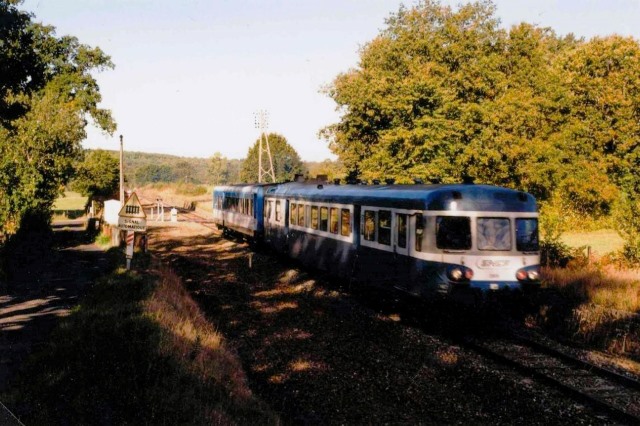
616 395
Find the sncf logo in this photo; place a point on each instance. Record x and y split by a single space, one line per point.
492 263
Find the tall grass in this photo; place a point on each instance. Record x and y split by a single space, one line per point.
594 305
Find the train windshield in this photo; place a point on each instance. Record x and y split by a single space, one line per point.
453 233
494 233
527 235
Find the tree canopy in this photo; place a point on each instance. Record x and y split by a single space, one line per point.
47 97
286 161
443 93
98 175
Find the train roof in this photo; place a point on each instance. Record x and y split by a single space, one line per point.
460 197
246 188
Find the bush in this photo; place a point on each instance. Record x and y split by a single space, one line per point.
191 189
555 253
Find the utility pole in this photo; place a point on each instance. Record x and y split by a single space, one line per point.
261 123
121 172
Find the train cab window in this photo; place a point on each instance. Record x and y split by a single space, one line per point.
333 220
324 219
453 233
278 211
293 214
314 217
527 235
300 215
369 231
384 227
494 233
402 230
345 229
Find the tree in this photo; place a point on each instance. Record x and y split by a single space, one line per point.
286 161
98 175
47 95
154 173
219 169
331 169
446 93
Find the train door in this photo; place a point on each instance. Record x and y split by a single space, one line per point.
268 219
401 262
401 234
274 223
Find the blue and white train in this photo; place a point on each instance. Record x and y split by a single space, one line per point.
421 239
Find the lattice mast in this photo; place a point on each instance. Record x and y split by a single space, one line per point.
264 171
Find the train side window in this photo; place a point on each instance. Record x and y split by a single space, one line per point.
278 212
314 217
345 229
267 210
453 233
494 233
251 207
402 230
384 227
369 225
301 215
333 220
293 214
324 219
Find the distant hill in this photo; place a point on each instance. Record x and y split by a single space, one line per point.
141 168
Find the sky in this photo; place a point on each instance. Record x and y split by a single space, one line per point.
190 76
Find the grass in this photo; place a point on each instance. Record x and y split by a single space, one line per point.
137 350
70 201
603 241
595 305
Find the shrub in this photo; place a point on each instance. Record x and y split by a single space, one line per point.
555 253
191 189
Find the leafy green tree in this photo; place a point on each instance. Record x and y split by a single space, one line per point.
446 93
154 173
98 175
183 172
47 94
286 161
331 169
219 169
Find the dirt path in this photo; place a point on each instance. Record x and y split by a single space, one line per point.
45 286
319 355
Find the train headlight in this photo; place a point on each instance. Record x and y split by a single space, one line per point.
456 274
459 273
530 273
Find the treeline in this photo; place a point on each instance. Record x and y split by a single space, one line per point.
141 168
444 93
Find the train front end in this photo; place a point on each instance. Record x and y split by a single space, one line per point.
484 239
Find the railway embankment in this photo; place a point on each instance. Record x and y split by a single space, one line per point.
134 347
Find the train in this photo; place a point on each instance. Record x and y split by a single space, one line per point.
421 239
